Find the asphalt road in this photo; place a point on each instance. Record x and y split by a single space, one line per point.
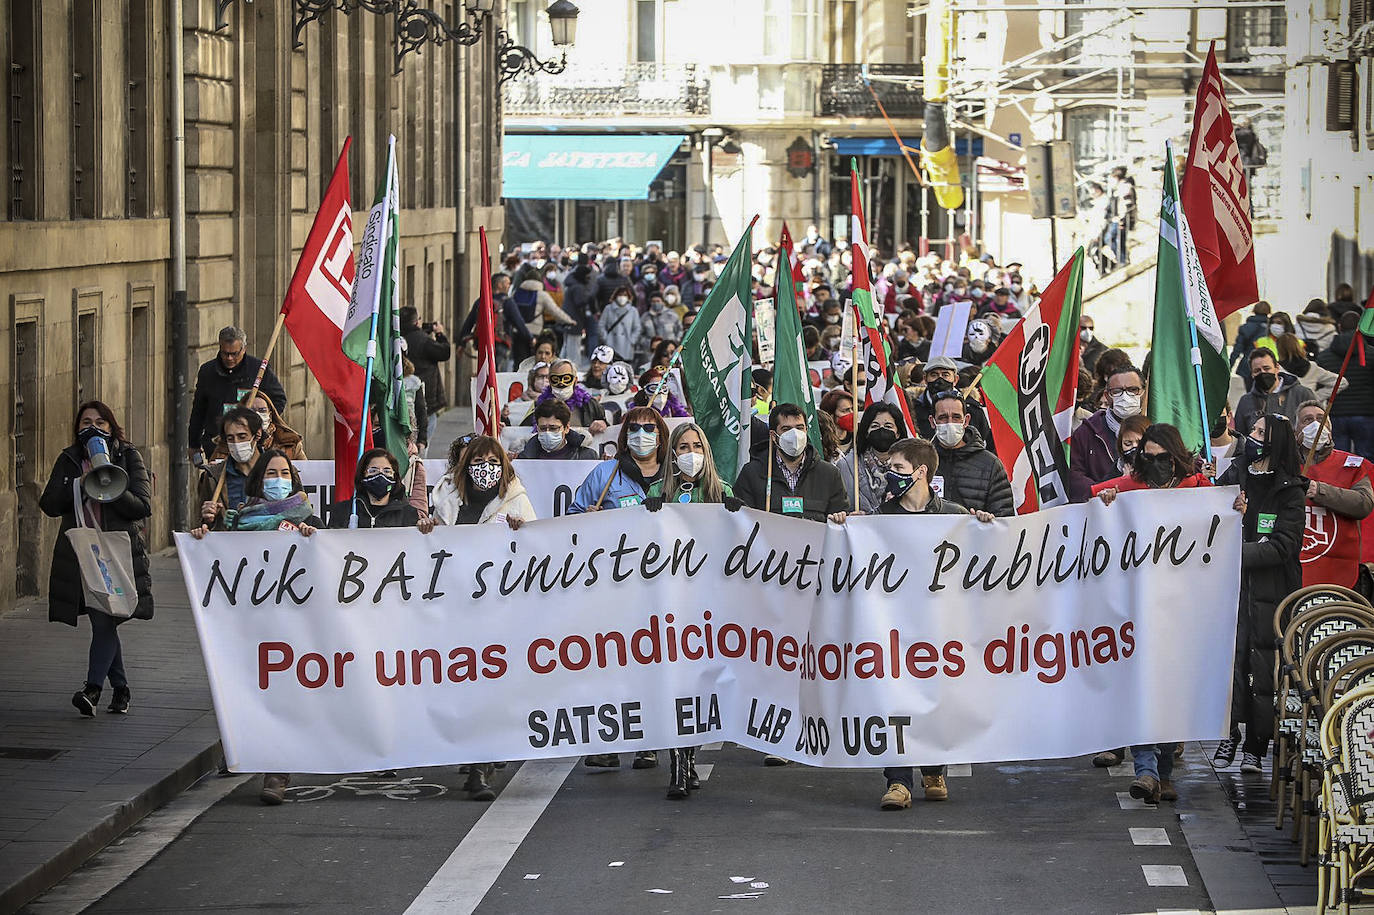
1028 837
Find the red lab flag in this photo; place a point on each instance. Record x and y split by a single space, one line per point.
486 402
315 305
1216 198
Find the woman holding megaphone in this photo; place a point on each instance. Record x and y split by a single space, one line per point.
102 477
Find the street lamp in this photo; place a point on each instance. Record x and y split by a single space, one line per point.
513 59
412 24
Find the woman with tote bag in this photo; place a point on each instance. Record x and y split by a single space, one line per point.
96 431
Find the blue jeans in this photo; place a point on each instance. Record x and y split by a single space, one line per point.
106 659
1354 434
1154 759
906 775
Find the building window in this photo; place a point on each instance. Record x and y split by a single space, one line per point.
789 29
1251 32
22 107
86 362
140 365
1096 138
138 80
85 118
646 31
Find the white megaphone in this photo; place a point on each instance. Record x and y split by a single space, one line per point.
106 481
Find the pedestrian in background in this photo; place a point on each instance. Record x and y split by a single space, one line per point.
221 385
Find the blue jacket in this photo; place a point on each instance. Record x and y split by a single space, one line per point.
622 493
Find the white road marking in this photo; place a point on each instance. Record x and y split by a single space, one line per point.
532 876
959 770
464 879
743 896
616 864
118 861
1164 875
713 746
1124 769
740 879
667 892
1148 835
704 771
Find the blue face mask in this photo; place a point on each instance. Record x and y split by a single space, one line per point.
276 489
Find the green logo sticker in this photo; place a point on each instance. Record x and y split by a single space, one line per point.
792 505
1266 523
629 501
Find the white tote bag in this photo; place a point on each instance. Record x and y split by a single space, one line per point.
106 560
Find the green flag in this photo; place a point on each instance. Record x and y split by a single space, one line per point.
1187 335
791 382
376 294
715 362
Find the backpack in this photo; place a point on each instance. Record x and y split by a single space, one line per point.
527 300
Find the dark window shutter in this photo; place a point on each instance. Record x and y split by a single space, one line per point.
1341 96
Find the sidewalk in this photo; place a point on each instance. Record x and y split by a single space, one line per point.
70 785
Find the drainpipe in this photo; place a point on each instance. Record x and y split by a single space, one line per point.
181 404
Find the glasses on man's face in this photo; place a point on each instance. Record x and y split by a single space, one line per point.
1117 392
641 427
561 380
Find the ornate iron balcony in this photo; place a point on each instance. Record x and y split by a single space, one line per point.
844 95
609 91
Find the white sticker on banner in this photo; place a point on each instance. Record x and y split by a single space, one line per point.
889 640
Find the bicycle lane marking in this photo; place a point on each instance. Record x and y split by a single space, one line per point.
463 880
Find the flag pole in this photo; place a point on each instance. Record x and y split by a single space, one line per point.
252 393
372 332
1201 394
1330 401
854 392
768 468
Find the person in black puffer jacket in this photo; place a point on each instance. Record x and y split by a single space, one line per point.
379 496
1272 500
1352 416
66 596
969 474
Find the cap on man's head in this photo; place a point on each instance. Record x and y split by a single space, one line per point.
941 362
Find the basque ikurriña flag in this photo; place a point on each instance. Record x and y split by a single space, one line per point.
316 306
1030 385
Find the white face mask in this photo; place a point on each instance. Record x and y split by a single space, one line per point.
1277 329
241 451
551 441
792 442
671 299
563 392
949 434
622 301
976 293
1125 405
1086 335
1309 435
690 464
642 443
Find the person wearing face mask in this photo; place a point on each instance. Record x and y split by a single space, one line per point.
1251 331
879 429
1159 461
655 392
941 374
275 433
690 477
620 324
840 405
1293 359
1090 349
912 465
1339 497
970 475
240 433
564 388
1128 444
1271 499
62 498
1093 453
980 342
647 286
623 481
379 497
600 359
658 321
673 302
1271 391
553 439
803 485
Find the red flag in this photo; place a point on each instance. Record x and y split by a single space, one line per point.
1216 198
315 305
486 401
793 261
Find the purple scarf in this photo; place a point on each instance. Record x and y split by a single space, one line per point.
580 397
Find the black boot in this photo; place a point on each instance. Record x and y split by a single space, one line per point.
677 774
693 780
86 699
477 785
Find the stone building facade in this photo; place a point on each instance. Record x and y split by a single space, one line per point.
85 244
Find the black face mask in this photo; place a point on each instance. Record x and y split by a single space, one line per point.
938 386
881 439
377 487
1157 470
90 432
899 483
1264 382
1255 451
1128 455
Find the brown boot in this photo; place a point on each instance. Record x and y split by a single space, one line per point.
477 785
274 789
1146 788
1167 791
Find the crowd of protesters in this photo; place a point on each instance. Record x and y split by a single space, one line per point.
595 320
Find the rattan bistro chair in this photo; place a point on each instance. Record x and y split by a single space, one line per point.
1347 823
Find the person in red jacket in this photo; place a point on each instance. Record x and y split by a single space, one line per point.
1339 497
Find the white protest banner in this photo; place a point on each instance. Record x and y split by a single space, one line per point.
549 484
950 326
765 316
1044 635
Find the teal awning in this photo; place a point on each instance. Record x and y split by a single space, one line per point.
584 167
